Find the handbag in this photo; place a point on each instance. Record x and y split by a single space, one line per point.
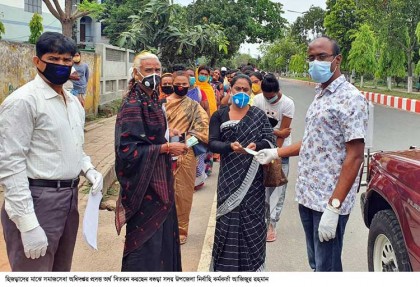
273 174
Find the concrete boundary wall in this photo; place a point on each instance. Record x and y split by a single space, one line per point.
114 71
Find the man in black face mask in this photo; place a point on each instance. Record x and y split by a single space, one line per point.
41 158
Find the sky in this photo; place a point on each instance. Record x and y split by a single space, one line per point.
293 5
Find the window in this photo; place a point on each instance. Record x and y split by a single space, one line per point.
33 6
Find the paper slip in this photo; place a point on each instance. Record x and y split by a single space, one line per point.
192 141
91 218
250 151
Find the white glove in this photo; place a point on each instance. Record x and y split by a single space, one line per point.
96 180
328 224
265 156
34 242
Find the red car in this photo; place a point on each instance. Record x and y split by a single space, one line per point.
391 211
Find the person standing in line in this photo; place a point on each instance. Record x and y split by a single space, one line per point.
195 93
40 162
189 119
280 110
166 88
241 229
146 203
80 85
330 156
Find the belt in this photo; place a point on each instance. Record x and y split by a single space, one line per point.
54 183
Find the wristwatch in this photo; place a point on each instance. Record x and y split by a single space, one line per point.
336 203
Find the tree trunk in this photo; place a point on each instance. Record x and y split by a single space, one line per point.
410 84
410 72
361 81
67 28
389 82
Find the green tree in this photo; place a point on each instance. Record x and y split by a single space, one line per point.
309 26
161 28
277 56
115 17
69 15
36 28
396 22
298 63
341 22
362 55
391 62
2 29
253 21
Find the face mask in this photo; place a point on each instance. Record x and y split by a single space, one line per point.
210 79
76 59
168 90
192 81
272 100
55 73
255 88
240 99
151 81
202 78
180 90
320 71
223 73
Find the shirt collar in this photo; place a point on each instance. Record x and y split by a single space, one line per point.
331 87
48 92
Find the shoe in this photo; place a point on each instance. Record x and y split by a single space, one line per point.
271 234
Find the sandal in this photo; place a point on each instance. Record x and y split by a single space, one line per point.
182 240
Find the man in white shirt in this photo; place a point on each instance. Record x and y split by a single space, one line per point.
41 157
280 110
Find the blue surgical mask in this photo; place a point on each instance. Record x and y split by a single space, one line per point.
192 81
202 78
210 79
320 71
272 100
240 99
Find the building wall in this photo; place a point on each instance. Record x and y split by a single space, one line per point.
108 67
16 20
17 69
114 71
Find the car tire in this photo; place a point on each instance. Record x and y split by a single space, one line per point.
386 247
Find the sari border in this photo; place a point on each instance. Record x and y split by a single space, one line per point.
236 198
228 124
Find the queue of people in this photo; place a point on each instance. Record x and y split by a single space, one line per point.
170 129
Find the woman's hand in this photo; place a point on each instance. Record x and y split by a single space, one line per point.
177 148
284 133
237 147
252 146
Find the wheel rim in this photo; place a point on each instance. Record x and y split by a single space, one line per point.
384 258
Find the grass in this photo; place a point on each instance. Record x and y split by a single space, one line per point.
398 92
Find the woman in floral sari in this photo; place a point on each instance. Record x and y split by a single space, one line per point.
189 119
239 241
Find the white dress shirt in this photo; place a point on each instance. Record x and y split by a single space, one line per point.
41 137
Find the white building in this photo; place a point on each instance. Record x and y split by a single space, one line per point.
16 15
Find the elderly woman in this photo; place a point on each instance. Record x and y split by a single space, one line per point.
239 241
146 203
189 119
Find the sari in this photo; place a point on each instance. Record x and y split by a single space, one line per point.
186 116
241 229
146 202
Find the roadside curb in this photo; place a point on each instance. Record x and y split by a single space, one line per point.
404 104
206 251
